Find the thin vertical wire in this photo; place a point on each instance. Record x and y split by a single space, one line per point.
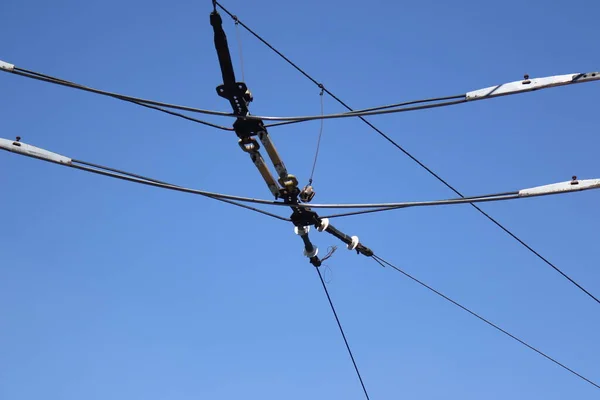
239 41
312 172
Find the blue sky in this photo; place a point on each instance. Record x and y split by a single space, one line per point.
112 290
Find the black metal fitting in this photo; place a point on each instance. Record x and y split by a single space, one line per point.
307 194
238 95
245 128
315 261
304 217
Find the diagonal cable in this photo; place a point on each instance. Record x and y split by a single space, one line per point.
420 163
138 178
383 263
140 102
342 332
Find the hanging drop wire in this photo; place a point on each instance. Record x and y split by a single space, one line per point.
239 41
312 172
339 324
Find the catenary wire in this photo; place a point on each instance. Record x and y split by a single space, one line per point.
383 263
127 176
416 160
342 332
165 183
135 100
509 196
379 110
396 105
383 206
140 101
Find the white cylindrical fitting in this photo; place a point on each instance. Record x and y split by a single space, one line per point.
301 230
352 246
6 66
312 253
324 224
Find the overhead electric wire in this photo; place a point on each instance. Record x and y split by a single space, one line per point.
396 105
361 113
463 200
133 178
153 104
135 100
379 110
383 263
342 332
28 150
408 154
258 210
159 184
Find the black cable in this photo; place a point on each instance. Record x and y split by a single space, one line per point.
222 196
409 103
408 154
405 103
379 110
140 101
177 188
126 176
381 206
383 263
154 105
342 332
258 210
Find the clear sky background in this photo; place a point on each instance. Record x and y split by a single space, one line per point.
110 290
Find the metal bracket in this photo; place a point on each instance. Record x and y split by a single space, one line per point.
238 95
248 127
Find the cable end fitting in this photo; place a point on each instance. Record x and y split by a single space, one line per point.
7 66
365 251
315 262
